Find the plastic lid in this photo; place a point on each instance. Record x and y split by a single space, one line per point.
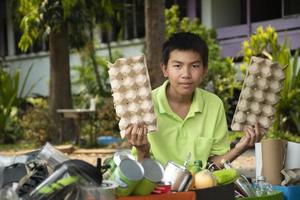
154 171
260 178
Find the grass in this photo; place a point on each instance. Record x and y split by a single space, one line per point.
23 145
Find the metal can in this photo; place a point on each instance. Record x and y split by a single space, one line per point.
154 172
179 176
162 188
120 155
115 161
128 174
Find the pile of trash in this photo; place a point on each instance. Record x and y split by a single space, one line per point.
48 174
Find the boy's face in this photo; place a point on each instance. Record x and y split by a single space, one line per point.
185 71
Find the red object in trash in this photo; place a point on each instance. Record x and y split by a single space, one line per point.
162 189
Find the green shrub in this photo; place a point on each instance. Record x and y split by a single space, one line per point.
36 122
11 97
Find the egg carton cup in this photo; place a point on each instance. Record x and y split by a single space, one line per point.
131 89
259 95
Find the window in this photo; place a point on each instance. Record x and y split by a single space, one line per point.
131 23
269 9
291 7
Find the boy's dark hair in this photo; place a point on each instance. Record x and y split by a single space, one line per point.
185 41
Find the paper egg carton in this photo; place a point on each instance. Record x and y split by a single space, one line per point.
260 93
131 89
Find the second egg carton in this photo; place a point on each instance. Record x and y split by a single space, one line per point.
260 93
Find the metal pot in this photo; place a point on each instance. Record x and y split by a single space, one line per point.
179 177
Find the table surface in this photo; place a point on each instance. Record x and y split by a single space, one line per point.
75 110
169 196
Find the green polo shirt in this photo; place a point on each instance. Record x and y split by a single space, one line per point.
203 132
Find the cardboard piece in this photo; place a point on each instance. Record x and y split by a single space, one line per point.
292 160
273 151
258 160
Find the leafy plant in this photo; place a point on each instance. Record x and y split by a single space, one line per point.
108 123
85 81
10 99
221 72
288 109
265 43
36 123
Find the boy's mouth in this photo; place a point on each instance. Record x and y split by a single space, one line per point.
186 85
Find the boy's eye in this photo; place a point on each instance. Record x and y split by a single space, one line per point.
196 65
176 66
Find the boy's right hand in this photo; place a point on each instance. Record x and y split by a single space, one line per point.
136 135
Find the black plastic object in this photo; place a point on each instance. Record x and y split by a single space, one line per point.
12 174
94 173
224 192
37 173
64 182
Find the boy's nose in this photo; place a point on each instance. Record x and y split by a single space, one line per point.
186 72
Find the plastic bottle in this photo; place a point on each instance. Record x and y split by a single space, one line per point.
262 188
8 194
197 167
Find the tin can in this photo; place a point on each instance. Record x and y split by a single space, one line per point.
128 174
154 172
179 176
120 155
162 188
115 160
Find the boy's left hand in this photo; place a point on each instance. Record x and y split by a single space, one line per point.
252 135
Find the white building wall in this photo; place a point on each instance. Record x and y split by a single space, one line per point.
41 67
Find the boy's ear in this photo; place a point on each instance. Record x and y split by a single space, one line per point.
163 68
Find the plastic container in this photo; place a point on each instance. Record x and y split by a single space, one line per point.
275 196
105 140
8 194
53 156
104 192
289 192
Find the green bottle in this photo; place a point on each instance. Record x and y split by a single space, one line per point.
197 167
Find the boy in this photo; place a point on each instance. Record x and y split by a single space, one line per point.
189 119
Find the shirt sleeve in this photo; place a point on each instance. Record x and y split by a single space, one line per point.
220 142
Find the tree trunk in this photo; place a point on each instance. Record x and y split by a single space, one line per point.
155 36
60 83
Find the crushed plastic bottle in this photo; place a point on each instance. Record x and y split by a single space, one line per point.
8 194
262 187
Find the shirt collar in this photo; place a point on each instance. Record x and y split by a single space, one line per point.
163 105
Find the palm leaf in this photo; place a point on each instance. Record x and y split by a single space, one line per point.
25 80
